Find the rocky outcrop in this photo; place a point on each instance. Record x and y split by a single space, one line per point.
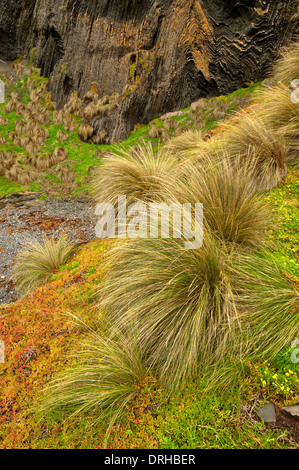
159 55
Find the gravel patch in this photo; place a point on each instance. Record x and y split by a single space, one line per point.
24 217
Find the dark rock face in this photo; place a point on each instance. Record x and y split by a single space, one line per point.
168 52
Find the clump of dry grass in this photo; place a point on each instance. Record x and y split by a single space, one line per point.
233 208
21 127
65 173
74 106
3 121
60 154
190 147
180 302
271 297
137 174
20 109
252 140
92 111
39 260
62 136
287 67
15 169
280 110
191 309
105 380
43 162
86 132
32 148
11 106
58 117
155 132
181 146
43 116
8 160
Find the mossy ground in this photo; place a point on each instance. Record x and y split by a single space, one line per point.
46 322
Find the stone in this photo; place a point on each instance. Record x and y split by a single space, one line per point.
267 413
173 114
292 410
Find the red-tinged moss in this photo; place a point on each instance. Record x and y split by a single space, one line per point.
38 333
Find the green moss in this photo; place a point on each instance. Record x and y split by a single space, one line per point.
7 187
132 71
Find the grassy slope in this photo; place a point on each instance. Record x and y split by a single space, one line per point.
186 420
83 157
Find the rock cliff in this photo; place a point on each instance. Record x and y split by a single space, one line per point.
158 55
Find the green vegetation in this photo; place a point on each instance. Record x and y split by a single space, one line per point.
148 344
8 187
82 157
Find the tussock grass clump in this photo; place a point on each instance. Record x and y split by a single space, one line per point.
41 132
155 132
24 141
25 177
287 67
189 146
64 173
105 380
180 302
253 141
281 113
3 121
60 154
32 148
92 111
39 260
233 209
86 131
58 117
20 109
11 106
14 171
62 136
181 145
43 162
271 297
8 160
191 309
137 174
74 105
43 116
21 127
